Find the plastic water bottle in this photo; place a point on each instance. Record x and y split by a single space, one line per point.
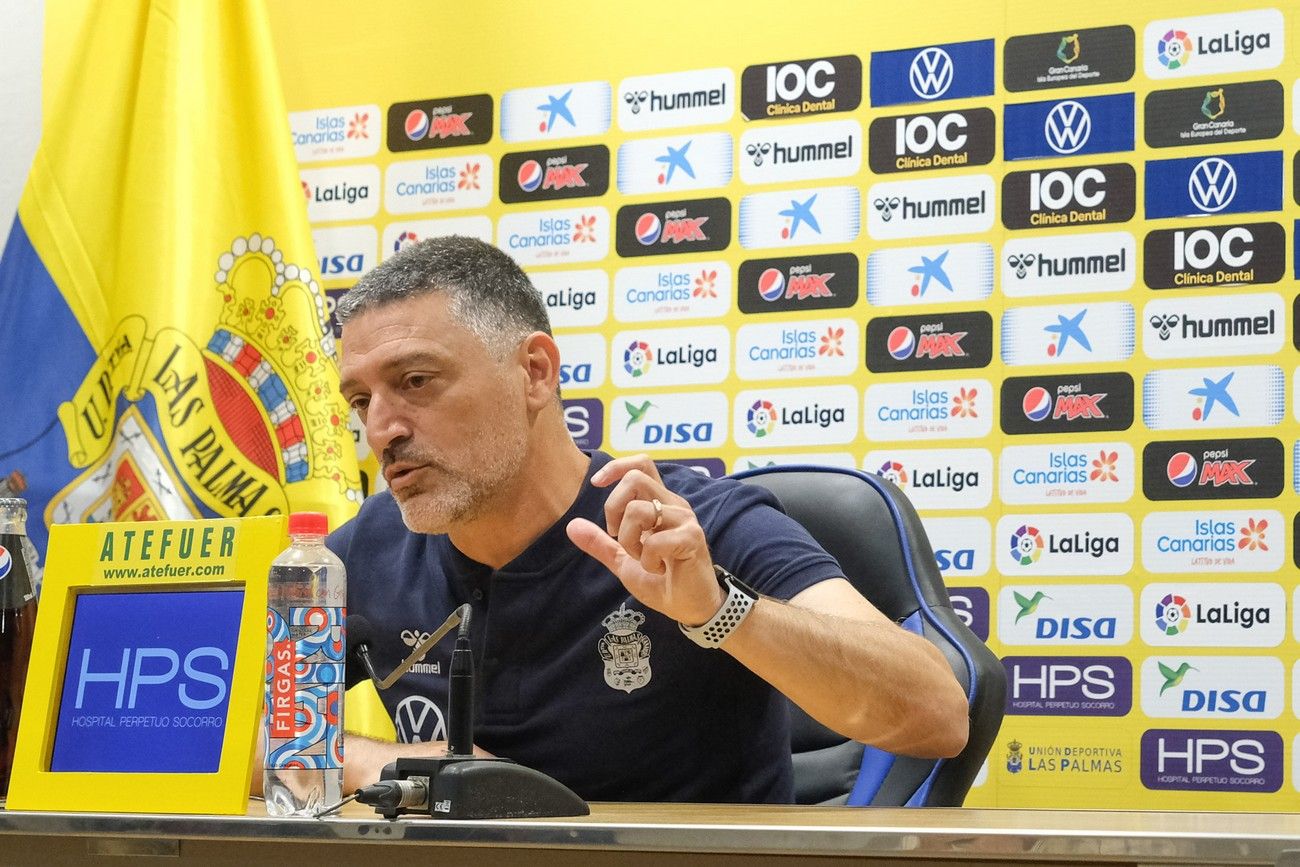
306 653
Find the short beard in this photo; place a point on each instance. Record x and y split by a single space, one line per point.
460 497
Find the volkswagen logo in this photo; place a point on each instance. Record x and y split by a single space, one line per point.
931 73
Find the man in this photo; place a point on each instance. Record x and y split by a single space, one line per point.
585 574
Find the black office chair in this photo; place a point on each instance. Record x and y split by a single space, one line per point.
867 524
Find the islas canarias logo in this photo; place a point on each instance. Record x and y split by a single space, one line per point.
244 412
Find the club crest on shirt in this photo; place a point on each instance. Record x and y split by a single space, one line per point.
625 650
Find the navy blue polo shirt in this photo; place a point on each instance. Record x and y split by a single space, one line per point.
576 678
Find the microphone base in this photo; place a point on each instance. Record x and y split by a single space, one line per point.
469 787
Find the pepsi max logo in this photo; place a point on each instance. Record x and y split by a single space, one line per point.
1067 404
560 173
929 342
6 561
423 124
901 343
673 227
1226 469
530 176
798 283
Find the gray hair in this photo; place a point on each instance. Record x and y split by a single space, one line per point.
489 293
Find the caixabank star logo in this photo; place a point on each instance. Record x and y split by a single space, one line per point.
230 425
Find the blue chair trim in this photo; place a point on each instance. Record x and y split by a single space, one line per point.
918 798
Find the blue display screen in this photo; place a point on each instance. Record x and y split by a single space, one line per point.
147 685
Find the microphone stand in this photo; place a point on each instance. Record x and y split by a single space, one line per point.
460 785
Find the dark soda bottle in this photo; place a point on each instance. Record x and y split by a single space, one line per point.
17 624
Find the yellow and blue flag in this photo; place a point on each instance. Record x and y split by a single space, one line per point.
164 351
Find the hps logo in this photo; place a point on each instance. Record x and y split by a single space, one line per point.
1064 614
1069 685
1212 761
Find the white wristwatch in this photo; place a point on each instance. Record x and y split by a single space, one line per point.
735 608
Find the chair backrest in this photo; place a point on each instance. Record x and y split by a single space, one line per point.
867 524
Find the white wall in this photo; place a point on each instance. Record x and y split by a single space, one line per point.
21 41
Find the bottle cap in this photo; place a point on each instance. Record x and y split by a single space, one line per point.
308 523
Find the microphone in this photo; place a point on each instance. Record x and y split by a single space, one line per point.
460 785
460 692
360 633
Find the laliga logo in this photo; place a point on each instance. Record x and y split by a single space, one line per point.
405 239
637 358
761 418
1026 545
1173 614
1212 184
931 73
1174 50
1181 469
1067 127
894 472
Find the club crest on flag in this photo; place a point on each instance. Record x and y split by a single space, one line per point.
243 413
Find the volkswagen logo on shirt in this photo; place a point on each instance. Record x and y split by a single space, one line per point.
419 720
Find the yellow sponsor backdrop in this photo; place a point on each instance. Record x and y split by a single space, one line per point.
336 54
